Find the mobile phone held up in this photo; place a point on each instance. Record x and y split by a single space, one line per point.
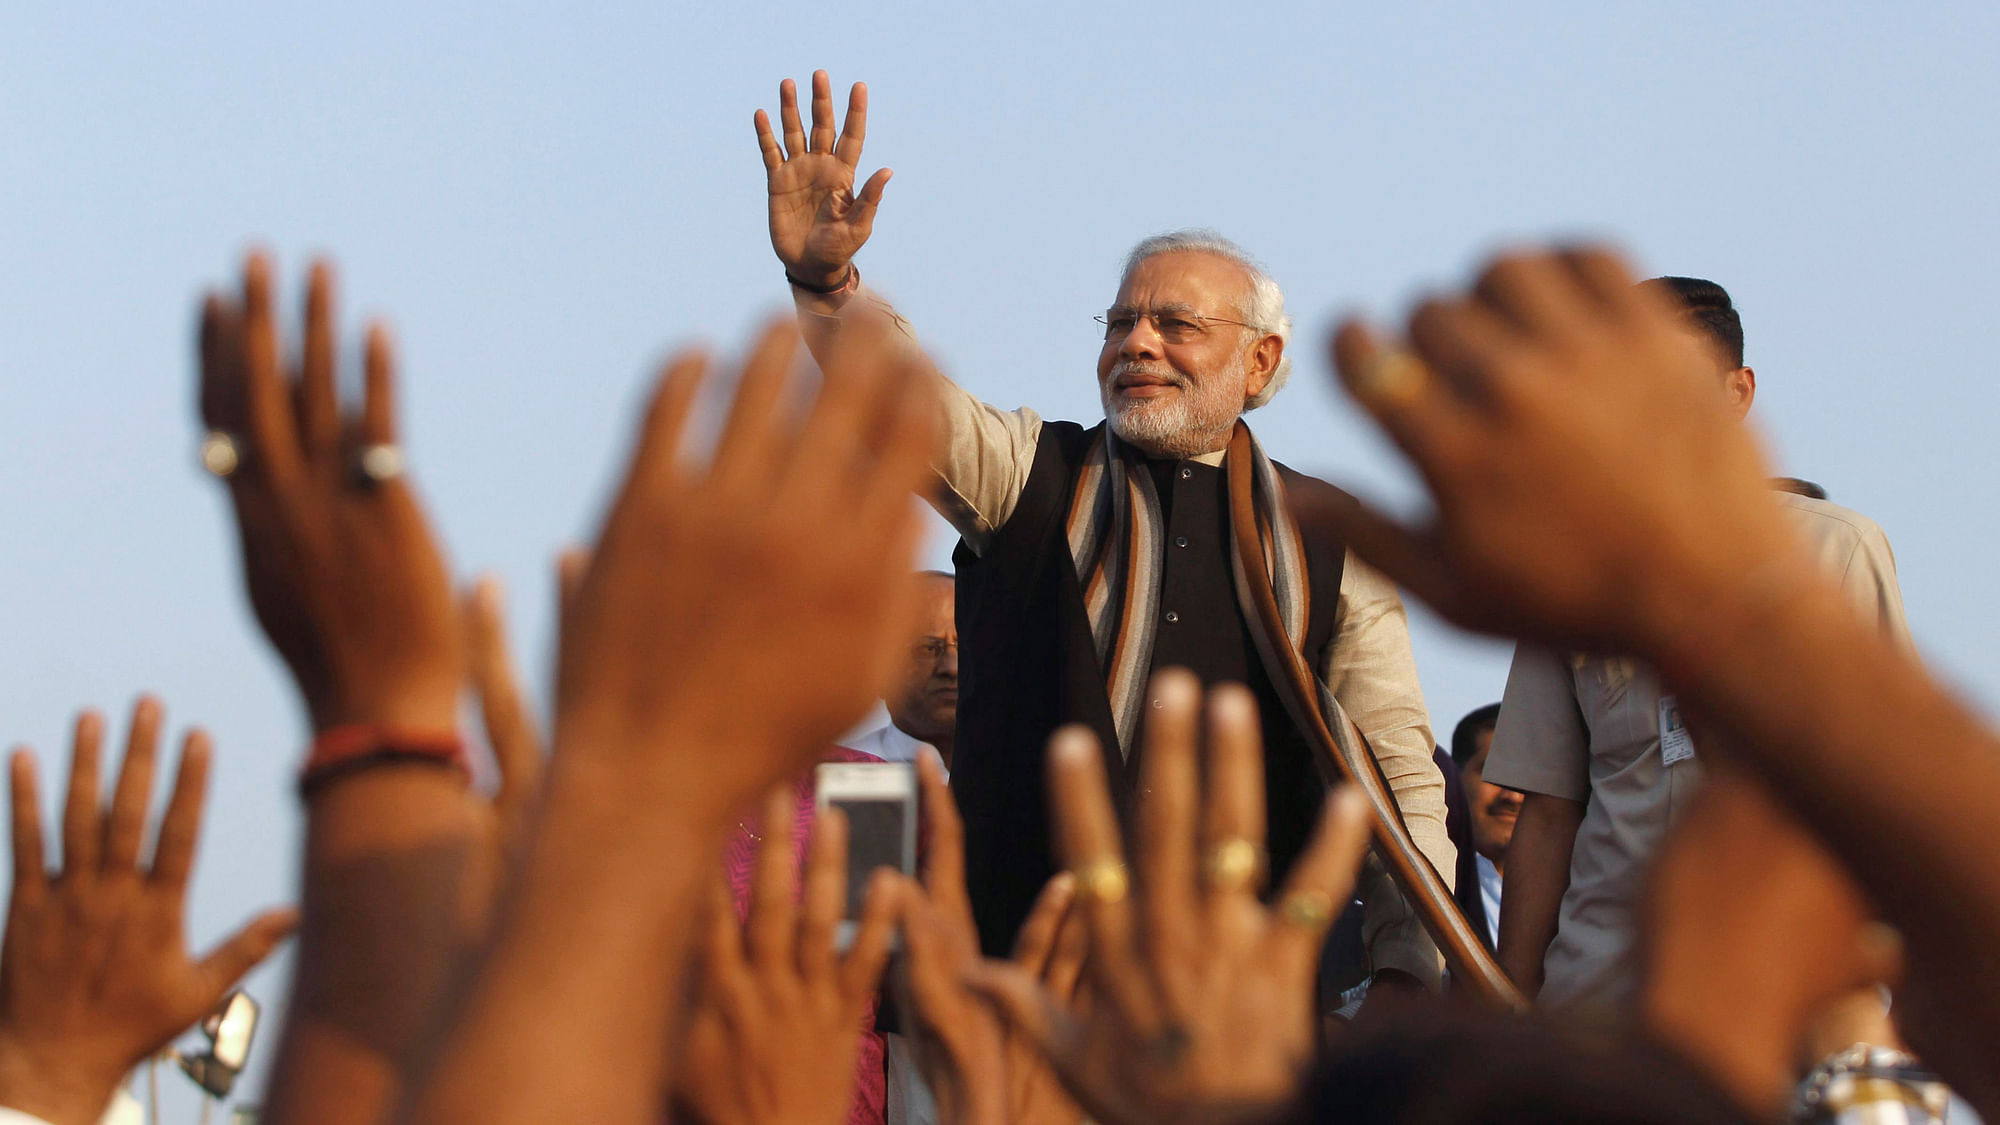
879 800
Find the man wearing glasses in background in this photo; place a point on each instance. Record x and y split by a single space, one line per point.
1092 556
924 708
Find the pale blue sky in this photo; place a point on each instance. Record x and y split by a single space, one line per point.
546 201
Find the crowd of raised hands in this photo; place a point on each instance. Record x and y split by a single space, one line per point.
553 947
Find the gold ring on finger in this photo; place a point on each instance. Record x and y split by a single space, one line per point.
1309 910
1103 880
1392 377
1234 865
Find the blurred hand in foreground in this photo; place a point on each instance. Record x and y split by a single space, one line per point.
1752 930
818 224
981 1069
96 976
1573 438
342 569
784 562
1200 997
733 618
780 1013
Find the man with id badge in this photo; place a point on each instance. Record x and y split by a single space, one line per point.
1604 757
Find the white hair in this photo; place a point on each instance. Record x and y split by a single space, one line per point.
1266 310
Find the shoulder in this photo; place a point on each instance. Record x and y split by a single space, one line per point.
1838 534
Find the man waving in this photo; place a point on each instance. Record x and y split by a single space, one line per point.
1092 555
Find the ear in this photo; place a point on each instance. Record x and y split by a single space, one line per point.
1261 365
1742 386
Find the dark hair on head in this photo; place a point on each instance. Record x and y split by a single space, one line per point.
1465 738
1712 310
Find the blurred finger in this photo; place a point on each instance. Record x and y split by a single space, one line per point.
378 387
821 140
853 130
1088 837
773 919
1168 778
31 872
1602 274
125 827
727 967
1415 561
655 465
788 116
944 852
1233 819
1534 292
861 970
1037 939
223 407
510 725
1411 404
180 826
81 835
749 453
1322 880
319 394
1465 344
1067 957
1028 1008
826 894
244 950
272 430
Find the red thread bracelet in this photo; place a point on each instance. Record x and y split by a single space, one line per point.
341 750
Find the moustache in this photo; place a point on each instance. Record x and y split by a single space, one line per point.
1158 371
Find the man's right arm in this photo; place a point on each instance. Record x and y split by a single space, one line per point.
1541 747
818 224
1537 878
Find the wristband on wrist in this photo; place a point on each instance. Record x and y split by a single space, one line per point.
849 281
339 751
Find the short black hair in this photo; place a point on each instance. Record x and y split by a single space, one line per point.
1712 310
1465 738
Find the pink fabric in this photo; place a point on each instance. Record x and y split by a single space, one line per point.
870 1103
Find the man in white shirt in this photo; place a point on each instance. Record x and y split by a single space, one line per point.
924 706
1604 758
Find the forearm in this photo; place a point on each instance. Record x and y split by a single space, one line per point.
1832 717
1538 862
390 856
569 1016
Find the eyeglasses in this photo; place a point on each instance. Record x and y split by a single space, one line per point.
1173 327
931 650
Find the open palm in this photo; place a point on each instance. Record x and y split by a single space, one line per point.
818 223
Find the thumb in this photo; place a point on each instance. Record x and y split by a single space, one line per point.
862 213
1414 560
227 963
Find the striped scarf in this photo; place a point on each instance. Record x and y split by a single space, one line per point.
1116 538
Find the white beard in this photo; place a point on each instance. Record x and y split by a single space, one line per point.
1195 421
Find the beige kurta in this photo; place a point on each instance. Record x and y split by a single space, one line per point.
1587 728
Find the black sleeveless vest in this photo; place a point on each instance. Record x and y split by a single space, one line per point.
1028 666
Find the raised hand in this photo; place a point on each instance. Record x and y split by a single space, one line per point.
733 617
817 222
96 975
1752 930
982 1069
1572 436
342 569
779 1017
1201 998
782 562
